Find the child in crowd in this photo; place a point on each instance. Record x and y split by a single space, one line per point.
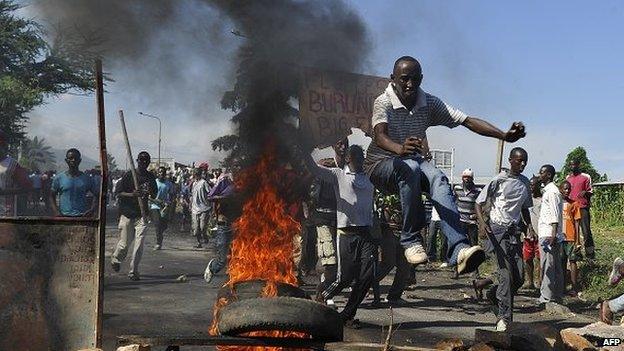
571 244
530 249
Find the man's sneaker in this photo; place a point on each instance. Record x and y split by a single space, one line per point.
331 304
416 254
157 247
116 266
134 276
208 273
396 302
501 326
469 259
443 265
198 246
615 275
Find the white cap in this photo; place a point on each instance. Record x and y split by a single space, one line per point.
468 173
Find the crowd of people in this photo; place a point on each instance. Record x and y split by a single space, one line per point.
368 211
511 220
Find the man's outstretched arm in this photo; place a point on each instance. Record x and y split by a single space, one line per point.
485 128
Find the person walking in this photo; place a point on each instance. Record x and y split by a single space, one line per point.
530 244
161 205
354 217
508 199
132 223
200 206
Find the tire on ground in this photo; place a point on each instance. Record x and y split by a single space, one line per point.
281 313
252 289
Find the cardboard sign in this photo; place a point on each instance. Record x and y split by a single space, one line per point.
331 103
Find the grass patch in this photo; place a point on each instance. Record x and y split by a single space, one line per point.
594 275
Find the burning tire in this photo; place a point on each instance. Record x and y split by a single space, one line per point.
252 289
281 313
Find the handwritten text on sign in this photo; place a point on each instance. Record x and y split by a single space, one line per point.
331 103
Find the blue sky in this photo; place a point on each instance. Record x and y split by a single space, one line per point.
553 65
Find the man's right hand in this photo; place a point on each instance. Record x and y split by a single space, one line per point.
411 145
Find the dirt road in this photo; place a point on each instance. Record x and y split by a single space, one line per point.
159 304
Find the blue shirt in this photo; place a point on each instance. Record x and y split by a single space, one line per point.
164 193
73 193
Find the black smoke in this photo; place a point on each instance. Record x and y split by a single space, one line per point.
155 40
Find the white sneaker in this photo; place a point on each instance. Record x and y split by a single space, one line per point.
416 254
501 326
208 272
443 265
469 259
615 275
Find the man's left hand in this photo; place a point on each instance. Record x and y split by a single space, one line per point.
515 133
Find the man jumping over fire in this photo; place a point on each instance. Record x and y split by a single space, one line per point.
396 162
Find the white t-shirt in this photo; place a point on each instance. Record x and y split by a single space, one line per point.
354 196
550 212
199 197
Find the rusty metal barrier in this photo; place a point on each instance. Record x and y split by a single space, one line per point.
51 272
49 284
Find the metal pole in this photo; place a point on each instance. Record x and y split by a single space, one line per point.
99 90
159 132
159 139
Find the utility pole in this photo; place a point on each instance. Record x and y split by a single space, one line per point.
159 132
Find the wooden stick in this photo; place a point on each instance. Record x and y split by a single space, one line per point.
135 179
99 95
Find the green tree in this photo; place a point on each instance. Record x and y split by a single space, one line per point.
580 154
31 70
35 154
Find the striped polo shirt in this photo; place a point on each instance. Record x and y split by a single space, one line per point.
402 123
466 200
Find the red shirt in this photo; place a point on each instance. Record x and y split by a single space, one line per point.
580 182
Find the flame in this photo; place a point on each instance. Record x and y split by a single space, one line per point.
263 243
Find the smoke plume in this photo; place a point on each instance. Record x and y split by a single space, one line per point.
158 43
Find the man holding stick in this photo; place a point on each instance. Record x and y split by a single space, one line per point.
132 222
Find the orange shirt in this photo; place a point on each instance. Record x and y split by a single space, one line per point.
571 213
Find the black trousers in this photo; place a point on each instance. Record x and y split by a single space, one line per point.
587 234
160 225
357 255
392 256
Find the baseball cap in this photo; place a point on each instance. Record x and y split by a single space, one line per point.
468 173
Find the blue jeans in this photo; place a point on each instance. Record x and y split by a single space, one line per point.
406 176
222 238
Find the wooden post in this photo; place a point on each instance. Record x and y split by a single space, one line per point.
499 156
99 95
135 179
